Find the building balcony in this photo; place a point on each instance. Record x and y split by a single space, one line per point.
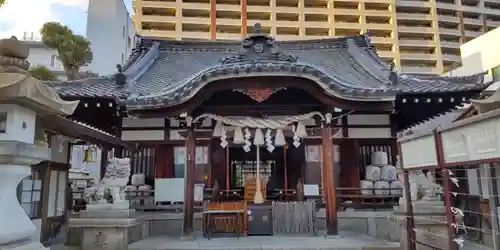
159 19
346 12
417 56
407 3
229 7
314 24
448 6
195 35
228 36
382 40
448 44
342 25
159 33
378 26
473 33
387 13
451 58
449 32
312 10
419 70
492 23
157 4
196 20
415 29
451 19
228 21
474 21
195 6
416 43
413 16
291 24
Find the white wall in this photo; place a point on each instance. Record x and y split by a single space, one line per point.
111 33
479 55
77 163
42 56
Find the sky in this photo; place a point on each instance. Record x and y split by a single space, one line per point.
19 16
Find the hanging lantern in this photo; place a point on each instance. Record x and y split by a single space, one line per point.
218 129
279 139
258 137
301 130
238 136
88 155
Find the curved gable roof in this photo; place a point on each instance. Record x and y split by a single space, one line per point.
170 72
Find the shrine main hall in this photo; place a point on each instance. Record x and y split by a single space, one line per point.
247 124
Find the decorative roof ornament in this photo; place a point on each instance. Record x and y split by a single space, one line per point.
120 78
258 47
393 76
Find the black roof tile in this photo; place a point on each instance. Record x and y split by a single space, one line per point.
169 72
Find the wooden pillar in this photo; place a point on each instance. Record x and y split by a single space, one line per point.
104 160
329 180
188 221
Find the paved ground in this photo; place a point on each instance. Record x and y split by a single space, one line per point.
347 241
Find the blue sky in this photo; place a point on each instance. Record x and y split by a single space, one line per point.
19 16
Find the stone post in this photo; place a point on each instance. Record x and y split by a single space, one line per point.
105 226
430 224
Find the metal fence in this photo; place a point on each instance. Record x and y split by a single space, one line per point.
452 206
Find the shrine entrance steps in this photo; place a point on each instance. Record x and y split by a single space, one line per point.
346 241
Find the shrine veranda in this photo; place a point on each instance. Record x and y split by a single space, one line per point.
255 121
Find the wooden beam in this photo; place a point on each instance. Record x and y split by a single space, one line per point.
329 179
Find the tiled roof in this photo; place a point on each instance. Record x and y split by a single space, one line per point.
171 72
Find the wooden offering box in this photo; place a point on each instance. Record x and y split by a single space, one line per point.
225 218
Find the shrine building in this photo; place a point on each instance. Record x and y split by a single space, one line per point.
282 117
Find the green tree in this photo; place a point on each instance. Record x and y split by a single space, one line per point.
42 73
2 2
73 50
88 74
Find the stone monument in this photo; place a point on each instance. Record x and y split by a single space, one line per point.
22 98
107 218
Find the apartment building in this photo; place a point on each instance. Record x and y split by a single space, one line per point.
111 33
419 36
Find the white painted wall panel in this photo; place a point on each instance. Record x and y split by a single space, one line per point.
476 141
143 135
149 122
419 152
369 133
368 120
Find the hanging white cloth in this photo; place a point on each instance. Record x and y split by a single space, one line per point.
238 136
279 139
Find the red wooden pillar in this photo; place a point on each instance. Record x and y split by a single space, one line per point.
164 161
188 221
329 180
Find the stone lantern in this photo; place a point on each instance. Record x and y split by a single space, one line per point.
22 98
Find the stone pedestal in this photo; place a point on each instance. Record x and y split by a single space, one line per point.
430 224
16 159
105 226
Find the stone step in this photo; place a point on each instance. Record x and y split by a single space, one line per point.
343 242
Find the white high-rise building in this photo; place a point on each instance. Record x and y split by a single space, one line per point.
111 33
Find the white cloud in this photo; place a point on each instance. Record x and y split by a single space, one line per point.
19 16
